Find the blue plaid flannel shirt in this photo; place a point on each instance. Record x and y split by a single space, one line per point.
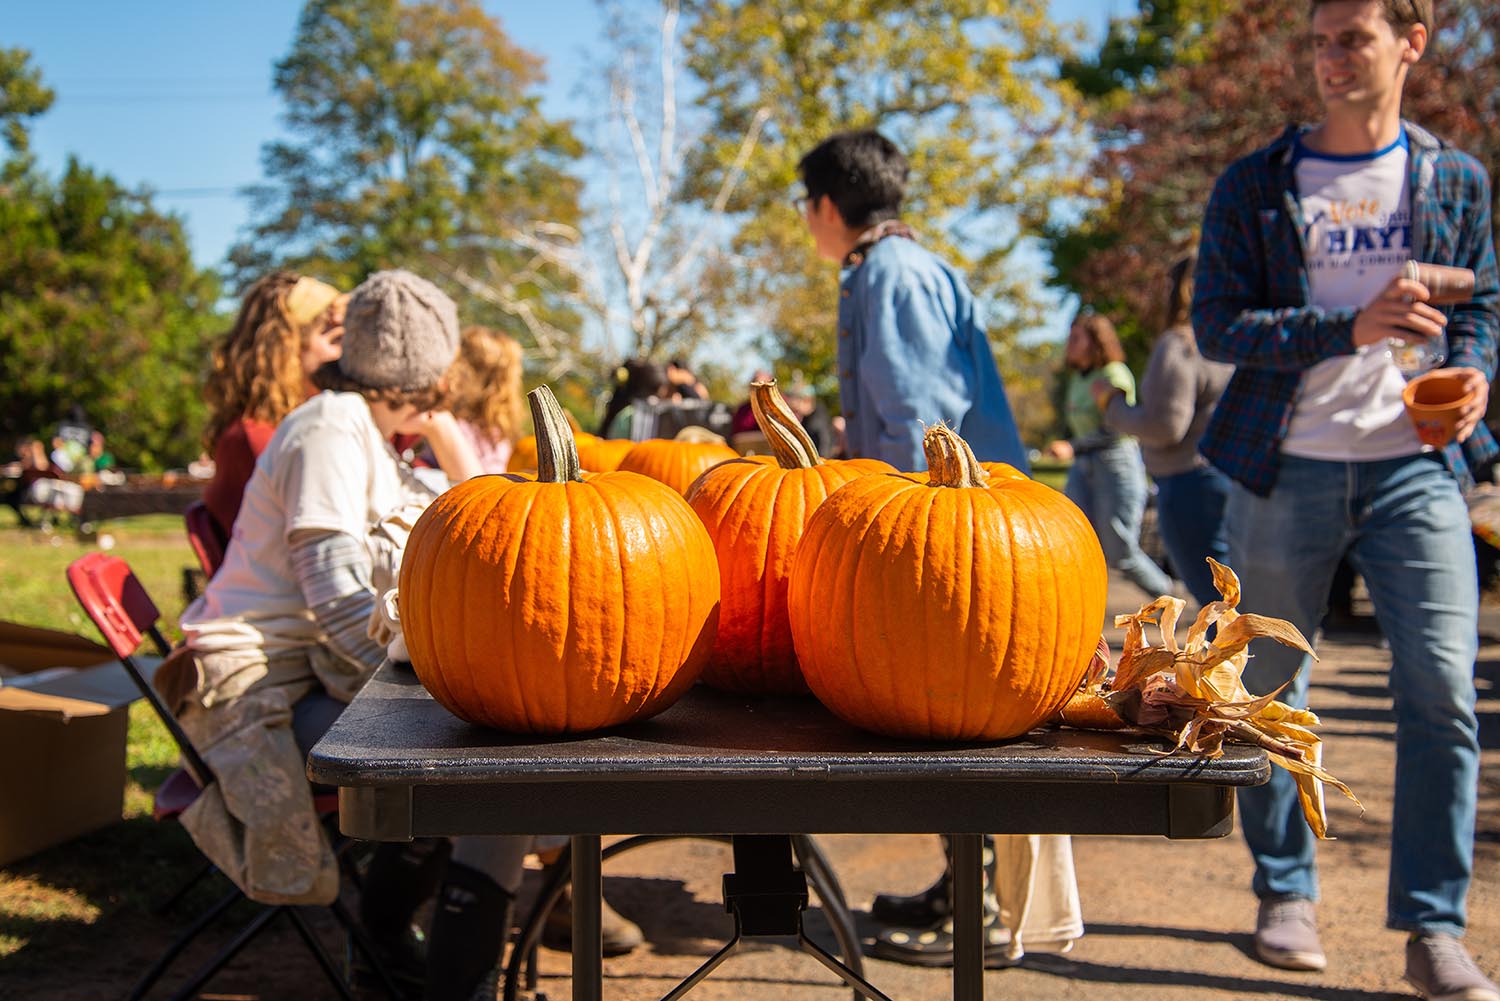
1250 305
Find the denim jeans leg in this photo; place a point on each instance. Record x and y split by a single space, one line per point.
1117 479
1190 518
1076 486
1417 558
1284 548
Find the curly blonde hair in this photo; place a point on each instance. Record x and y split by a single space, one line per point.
256 368
484 384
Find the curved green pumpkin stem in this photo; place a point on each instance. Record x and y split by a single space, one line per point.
790 442
556 451
950 461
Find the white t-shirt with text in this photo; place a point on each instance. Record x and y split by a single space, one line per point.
1357 216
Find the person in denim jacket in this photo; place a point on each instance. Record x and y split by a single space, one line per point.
1299 286
911 348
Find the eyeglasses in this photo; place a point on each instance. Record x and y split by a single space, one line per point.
802 201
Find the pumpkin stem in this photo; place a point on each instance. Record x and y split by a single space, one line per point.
790 442
556 451
950 461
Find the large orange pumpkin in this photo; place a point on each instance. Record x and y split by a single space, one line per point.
558 605
676 462
965 607
755 509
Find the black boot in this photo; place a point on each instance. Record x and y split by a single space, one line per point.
931 943
918 909
469 928
400 878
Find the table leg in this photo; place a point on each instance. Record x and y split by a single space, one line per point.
588 928
968 916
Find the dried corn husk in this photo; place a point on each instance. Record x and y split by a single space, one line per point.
1194 693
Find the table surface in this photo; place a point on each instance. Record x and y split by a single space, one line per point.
715 763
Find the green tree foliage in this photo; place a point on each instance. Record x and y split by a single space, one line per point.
968 89
102 307
23 96
1136 49
100 304
418 142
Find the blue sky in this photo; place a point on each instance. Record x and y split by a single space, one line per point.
177 95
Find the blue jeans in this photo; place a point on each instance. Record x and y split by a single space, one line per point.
1190 518
1406 528
1109 485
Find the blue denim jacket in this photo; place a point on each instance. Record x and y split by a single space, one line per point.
1251 308
911 350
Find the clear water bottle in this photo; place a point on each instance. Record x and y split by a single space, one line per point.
1414 357
1445 286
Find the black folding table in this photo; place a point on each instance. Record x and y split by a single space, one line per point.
719 764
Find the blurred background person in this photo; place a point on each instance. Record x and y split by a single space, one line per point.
288 326
1107 479
813 415
1176 399
484 394
684 382
636 381
744 414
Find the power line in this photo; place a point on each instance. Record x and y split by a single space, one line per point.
197 192
66 99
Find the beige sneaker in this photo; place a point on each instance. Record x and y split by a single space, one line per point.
621 935
1441 969
1286 935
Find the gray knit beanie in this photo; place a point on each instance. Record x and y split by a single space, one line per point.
400 332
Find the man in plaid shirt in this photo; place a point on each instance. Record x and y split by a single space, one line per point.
1299 285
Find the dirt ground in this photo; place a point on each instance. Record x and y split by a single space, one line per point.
1165 920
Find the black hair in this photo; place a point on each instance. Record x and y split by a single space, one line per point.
863 172
636 379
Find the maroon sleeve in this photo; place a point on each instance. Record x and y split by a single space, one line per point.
234 460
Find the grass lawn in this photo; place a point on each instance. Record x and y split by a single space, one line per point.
46 898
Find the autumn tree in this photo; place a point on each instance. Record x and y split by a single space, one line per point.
101 306
417 141
968 90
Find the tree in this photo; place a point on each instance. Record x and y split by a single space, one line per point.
417 141
643 258
100 304
23 96
1136 49
101 307
970 92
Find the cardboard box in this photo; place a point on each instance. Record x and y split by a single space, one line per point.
63 717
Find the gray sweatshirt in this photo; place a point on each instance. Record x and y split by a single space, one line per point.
1176 398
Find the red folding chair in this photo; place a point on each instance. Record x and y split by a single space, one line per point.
119 606
206 537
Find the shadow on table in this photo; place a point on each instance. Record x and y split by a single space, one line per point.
1104 973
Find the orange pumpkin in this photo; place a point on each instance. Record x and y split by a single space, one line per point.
676 462
602 455
562 604
755 509
965 607
523 456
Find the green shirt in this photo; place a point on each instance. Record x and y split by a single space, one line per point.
1083 418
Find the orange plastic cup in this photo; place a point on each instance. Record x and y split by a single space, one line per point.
1434 402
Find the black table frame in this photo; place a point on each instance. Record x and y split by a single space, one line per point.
719 764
